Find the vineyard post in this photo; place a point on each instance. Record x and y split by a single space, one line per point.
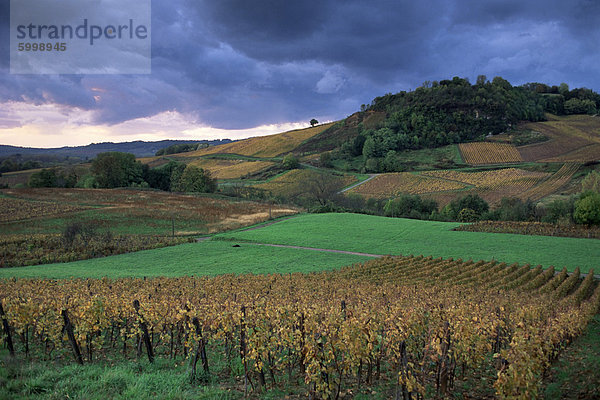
243 349
144 328
71 336
200 353
6 328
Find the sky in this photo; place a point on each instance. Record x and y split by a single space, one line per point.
239 68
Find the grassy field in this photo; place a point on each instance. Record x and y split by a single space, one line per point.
204 258
165 379
381 235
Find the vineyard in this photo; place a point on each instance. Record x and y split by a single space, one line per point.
531 228
230 169
552 184
12 209
481 153
493 185
263 146
582 154
489 179
128 211
295 182
22 250
394 184
412 326
572 139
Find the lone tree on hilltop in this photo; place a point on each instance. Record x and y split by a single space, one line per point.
313 122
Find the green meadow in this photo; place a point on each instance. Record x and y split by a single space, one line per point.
380 235
203 258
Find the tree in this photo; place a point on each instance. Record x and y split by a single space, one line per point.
115 169
162 177
472 202
467 215
587 209
290 162
194 179
591 182
321 188
411 206
325 160
43 178
313 122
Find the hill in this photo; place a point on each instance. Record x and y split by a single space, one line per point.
264 146
138 148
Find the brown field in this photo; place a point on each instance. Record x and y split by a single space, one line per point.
230 169
141 211
294 183
572 138
263 146
394 184
15 209
587 153
482 153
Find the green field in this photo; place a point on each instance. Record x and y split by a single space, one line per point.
379 235
349 232
204 258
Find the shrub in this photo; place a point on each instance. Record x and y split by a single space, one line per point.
587 209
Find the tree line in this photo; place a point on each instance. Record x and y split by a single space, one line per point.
116 169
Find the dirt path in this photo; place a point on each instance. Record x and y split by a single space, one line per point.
262 225
371 176
287 246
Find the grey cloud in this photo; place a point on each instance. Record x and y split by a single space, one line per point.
239 64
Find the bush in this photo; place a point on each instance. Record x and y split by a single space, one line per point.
43 178
74 230
559 210
194 179
410 206
290 162
512 209
471 201
467 215
587 209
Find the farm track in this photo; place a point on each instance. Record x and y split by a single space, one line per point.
354 253
371 176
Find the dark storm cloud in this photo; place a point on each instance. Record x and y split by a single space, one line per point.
239 63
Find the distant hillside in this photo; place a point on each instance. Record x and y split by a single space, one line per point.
264 146
138 148
445 113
